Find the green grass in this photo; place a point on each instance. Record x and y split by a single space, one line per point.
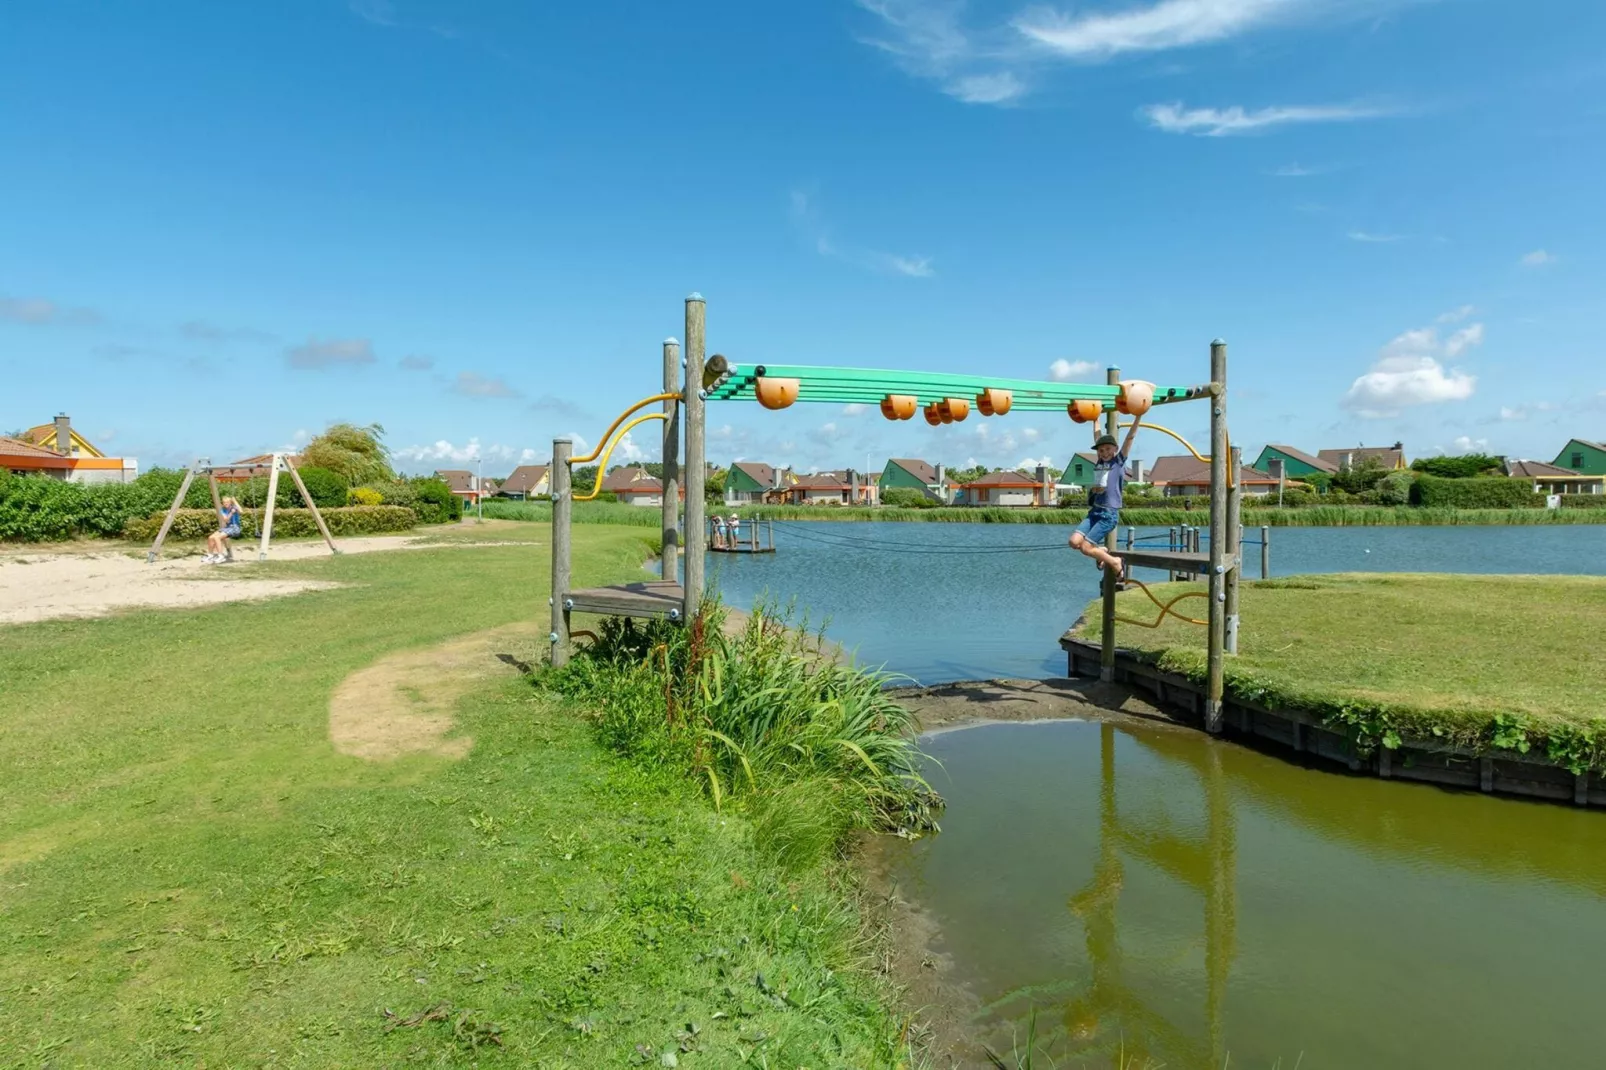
1489 662
190 875
1144 515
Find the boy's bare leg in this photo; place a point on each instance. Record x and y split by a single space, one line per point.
1099 554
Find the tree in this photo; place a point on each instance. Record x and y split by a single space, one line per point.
714 485
356 454
1466 466
1359 478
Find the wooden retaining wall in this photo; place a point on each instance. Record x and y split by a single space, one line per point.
1534 777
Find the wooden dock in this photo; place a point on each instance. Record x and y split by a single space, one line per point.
654 599
745 540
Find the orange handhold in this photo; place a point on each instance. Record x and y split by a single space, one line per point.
933 417
994 402
1084 411
953 409
1135 397
775 393
899 406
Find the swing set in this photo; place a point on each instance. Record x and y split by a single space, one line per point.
942 398
279 462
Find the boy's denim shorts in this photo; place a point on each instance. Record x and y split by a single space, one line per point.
1097 524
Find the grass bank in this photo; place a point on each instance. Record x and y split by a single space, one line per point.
1494 663
189 873
1144 516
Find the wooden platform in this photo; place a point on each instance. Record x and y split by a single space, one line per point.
1170 560
654 599
743 548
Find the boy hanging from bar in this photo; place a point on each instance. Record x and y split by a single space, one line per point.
1104 499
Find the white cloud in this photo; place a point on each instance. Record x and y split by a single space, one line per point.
378 12
1456 315
1069 371
853 408
1294 170
1537 258
1165 25
1463 340
474 385
1508 413
806 218
334 352
441 450
1409 371
415 364
1466 444
999 88
1026 464
1369 236
1030 434
1223 122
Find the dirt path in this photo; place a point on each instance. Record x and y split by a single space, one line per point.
404 703
73 582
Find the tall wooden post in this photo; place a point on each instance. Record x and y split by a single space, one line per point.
1107 618
1235 544
1218 533
1265 552
167 521
671 480
267 511
696 462
562 528
323 528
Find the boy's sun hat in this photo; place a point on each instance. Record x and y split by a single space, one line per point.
1105 440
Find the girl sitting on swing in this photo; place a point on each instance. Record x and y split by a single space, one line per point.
217 543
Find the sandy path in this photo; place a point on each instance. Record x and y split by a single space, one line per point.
404 703
38 586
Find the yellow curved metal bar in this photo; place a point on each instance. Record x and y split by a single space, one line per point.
1232 477
606 435
603 466
1165 607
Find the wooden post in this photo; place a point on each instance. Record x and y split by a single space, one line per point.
323 529
769 530
562 528
267 512
696 464
167 521
671 480
1218 535
1171 544
1107 619
211 483
1265 552
1235 544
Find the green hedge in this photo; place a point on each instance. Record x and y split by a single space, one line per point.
347 520
1583 501
1477 493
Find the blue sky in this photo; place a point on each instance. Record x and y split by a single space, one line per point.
227 225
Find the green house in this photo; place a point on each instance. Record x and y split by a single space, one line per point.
748 481
910 473
1581 455
1296 463
1080 470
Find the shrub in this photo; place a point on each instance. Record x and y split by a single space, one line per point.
199 523
328 490
1359 478
364 496
907 498
1466 466
1473 493
1583 501
434 501
1297 499
1394 489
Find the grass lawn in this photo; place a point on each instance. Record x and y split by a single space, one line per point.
1437 655
190 874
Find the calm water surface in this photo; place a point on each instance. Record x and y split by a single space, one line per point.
919 598
1195 900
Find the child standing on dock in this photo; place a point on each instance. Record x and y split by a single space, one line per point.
1104 500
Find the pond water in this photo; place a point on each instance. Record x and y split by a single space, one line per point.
1196 904
940 602
1190 902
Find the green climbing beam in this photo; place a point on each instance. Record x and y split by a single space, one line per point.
868 386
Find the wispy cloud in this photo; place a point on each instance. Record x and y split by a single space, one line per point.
929 40
808 221
468 453
1456 315
474 385
41 312
1156 27
378 12
204 331
1409 371
1295 170
314 355
552 405
1373 237
415 364
1173 118
1069 371
999 88
853 408
1537 258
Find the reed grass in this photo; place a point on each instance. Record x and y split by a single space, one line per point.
764 718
